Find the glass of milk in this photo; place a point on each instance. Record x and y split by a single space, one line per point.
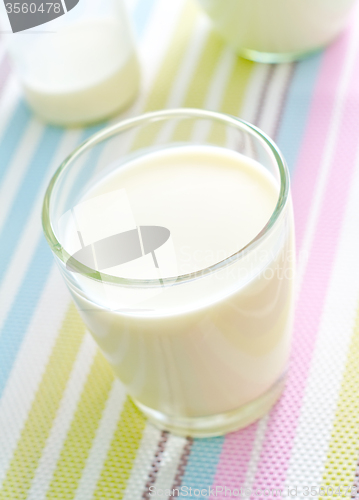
80 66
274 31
174 233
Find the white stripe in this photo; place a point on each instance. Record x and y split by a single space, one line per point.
274 98
330 355
131 5
142 464
3 52
170 461
152 51
325 167
215 94
157 37
154 46
102 442
29 366
62 422
185 74
254 459
8 101
29 238
18 167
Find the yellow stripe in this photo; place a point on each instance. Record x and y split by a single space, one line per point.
196 94
237 86
342 459
205 68
119 461
43 410
162 86
82 431
233 97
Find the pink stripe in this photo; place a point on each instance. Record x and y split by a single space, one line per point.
312 150
283 419
233 463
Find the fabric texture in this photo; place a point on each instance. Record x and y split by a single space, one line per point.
67 428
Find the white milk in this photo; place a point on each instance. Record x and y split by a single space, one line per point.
278 26
213 344
81 74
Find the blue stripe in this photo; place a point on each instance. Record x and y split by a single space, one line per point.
141 15
87 168
26 196
204 457
201 466
13 133
20 315
297 108
26 301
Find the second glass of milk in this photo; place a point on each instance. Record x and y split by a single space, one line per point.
174 233
274 31
81 66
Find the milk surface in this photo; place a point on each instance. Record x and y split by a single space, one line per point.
212 344
278 26
82 73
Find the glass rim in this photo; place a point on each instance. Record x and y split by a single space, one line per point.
129 123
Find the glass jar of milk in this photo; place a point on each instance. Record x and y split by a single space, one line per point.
75 58
278 30
174 233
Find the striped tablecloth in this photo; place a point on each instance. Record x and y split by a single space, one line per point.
67 429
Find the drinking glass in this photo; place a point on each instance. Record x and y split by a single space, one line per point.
277 31
201 353
76 59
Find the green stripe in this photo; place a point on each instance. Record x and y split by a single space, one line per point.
233 98
197 91
44 407
120 458
342 459
83 429
237 86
